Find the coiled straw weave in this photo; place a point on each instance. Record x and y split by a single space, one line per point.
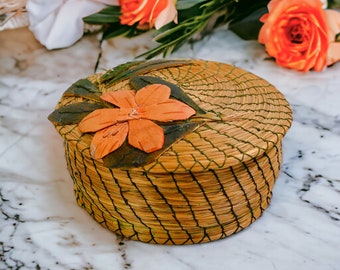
211 184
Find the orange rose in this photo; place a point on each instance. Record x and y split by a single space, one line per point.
295 34
148 13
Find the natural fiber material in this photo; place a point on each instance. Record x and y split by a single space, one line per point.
212 183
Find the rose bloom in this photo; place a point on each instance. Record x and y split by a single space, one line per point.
148 13
295 34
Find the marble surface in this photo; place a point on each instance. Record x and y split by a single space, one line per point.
42 227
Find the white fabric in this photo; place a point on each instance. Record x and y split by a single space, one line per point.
58 23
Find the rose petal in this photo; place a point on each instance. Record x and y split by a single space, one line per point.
333 24
152 94
108 140
145 135
150 12
167 15
100 119
132 11
333 53
167 111
121 98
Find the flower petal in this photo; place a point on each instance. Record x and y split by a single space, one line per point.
121 98
333 54
99 119
167 111
145 135
108 140
333 24
152 94
167 15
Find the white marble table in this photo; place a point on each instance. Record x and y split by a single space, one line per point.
42 227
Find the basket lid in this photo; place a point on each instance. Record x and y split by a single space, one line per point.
243 115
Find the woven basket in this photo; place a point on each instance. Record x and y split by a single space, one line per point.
210 184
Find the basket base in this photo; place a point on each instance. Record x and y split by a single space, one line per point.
141 210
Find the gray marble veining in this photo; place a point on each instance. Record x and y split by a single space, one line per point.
42 227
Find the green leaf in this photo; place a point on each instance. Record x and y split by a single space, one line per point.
131 69
174 33
139 82
248 27
244 8
108 15
186 4
110 18
116 29
73 113
127 156
337 37
100 19
84 88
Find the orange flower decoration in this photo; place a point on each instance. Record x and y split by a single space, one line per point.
148 13
295 34
133 119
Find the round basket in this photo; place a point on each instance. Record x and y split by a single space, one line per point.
210 183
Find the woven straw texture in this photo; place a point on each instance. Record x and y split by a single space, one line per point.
212 183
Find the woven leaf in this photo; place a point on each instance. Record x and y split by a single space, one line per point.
117 71
127 156
139 82
131 69
84 88
73 113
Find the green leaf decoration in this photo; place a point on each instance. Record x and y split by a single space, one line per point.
118 71
131 69
127 156
84 88
73 113
139 82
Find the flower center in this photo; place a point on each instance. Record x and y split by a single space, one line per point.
296 34
134 113
297 31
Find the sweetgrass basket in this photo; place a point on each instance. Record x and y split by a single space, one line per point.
211 183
